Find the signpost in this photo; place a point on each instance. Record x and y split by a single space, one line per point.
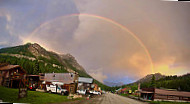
22 89
22 92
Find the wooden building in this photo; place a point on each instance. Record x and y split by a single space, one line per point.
147 93
85 83
11 75
69 80
164 94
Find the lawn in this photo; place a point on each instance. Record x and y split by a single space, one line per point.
124 95
11 95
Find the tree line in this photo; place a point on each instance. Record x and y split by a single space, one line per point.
181 83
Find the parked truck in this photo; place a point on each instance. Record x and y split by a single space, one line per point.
54 88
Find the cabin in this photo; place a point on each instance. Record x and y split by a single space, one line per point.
69 80
85 83
164 94
11 75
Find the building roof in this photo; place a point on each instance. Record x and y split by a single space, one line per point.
166 92
85 80
33 75
118 89
65 78
3 64
10 67
147 92
123 89
174 93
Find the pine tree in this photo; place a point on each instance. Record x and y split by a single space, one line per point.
36 68
153 82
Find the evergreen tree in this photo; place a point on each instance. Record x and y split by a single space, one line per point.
153 82
36 68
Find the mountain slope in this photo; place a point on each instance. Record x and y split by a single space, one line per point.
36 52
148 77
113 84
35 59
180 83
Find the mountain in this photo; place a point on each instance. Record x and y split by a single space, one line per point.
148 77
180 83
36 59
36 52
113 84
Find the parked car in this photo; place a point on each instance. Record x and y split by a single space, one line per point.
91 92
56 89
82 92
96 93
103 92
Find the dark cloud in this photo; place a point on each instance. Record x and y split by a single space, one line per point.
6 38
26 16
101 47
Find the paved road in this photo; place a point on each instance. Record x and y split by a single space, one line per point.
109 98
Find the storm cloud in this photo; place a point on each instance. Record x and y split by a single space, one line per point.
106 51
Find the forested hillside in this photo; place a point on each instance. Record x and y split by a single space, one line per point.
181 83
35 59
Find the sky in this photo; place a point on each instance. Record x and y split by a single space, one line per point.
114 40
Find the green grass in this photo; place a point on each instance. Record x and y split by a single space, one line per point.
11 95
126 95
167 102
